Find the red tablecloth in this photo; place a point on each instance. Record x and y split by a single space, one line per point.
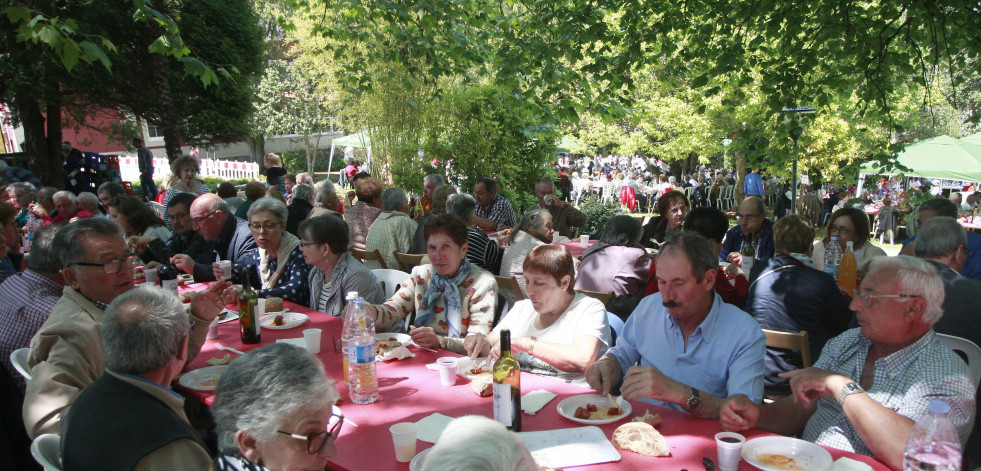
410 392
968 224
575 248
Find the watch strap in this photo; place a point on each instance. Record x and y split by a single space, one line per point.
847 390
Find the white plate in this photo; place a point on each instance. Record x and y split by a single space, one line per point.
465 364
807 456
230 315
416 463
290 319
404 339
567 408
204 379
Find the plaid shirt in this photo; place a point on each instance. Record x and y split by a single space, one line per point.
27 301
904 382
499 211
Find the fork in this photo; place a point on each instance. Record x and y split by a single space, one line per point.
227 349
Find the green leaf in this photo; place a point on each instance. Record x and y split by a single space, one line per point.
92 52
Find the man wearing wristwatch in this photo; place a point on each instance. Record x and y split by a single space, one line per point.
683 347
872 384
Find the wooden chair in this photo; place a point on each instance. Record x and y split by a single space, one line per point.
510 284
792 341
603 297
409 260
364 256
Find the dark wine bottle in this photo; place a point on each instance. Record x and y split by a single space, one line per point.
248 302
168 277
507 386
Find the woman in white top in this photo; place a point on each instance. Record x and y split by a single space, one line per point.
848 225
184 179
556 332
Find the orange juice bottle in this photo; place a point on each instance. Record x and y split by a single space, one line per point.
848 276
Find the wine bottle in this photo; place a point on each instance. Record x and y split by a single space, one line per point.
507 386
749 255
248 302
167 276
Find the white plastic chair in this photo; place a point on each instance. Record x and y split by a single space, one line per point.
46 450
969 349
389 279
19 359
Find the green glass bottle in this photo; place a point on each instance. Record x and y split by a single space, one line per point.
507 386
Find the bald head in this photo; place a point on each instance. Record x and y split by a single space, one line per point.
209 214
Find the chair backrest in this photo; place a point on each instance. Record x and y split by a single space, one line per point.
968 350
603 297
46 450
19 359
389 279
616 326
408 261
510 284
365 255
792 341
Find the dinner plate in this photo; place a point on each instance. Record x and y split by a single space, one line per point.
567 408
416 463
404 339
775 453
466 364
290 320
230 315
204 379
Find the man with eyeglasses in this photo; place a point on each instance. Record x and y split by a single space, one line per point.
184 241
226 237
944 207
751 215
66 354
871 384
134 392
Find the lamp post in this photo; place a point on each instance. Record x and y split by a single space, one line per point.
790 116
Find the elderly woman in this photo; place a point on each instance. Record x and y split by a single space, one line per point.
184 179
323 243
556 331
10 258
617 262
672 207
326 200
534 229
489 447
274 410
452 299
849 225
481 251
277 263
360 216
141 225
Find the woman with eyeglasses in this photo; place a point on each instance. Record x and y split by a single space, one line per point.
184 172
334 271
277 261
848 225
274 410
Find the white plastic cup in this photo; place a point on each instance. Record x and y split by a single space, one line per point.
212 330
151 275
226 269
729 445
312 339
447 370
260 307
584 241
555 237
404 439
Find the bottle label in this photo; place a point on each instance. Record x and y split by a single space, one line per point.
503 408
361 353
170 285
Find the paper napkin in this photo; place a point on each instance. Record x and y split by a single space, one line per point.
535 400
431 427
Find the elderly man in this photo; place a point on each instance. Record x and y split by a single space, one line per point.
184 240
429 183
683 347
22 194
393 230
29 296
66 354
66 203
226 237
133 394
481 251
304 178
299 209
493 211
871 384
944 207
564 216
753 223
107 191
89 202
672 208
45 206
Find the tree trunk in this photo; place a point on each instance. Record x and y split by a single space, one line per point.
42 139
169 116
257 148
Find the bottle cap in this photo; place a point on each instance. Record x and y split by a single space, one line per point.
834 238
351 295
938 406
849 245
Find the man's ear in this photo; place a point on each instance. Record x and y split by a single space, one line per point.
247 446
71 278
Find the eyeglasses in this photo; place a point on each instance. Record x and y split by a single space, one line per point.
317 440
747 217
304 245
867 298
840 230
268 227
111 267
199 220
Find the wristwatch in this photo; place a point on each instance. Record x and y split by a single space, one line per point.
531 348
694 401
847 390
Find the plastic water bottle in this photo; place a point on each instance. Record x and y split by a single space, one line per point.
933 445
362 383
347 330
832 258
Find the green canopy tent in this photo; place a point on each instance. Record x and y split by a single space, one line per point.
938 157
360 139
973 138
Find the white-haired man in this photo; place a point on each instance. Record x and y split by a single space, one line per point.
871 384
66 203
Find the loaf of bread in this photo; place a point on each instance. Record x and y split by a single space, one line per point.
274 304
640 437
482 384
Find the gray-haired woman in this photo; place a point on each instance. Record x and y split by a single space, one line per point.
274 410
334 272
279 267
481 251
534 229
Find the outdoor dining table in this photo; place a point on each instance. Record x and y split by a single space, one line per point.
970 224
575 248
409 391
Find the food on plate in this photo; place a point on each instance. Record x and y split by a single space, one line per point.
274 304
640 437
776 460
482 384
219 360
208 383
384 346
138 274
278 320
597 412
655 420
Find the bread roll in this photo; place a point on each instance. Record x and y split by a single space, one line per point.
274 304
640 437
482 384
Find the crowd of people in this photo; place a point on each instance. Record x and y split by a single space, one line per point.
102 354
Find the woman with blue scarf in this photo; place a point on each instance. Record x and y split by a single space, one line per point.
450 299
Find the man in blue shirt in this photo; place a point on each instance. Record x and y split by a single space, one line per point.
753 185
683 347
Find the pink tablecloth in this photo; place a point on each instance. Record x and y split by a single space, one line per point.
410 392
969 224
575 248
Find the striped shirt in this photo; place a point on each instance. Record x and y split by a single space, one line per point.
482 251
499 211
28 299
904 382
